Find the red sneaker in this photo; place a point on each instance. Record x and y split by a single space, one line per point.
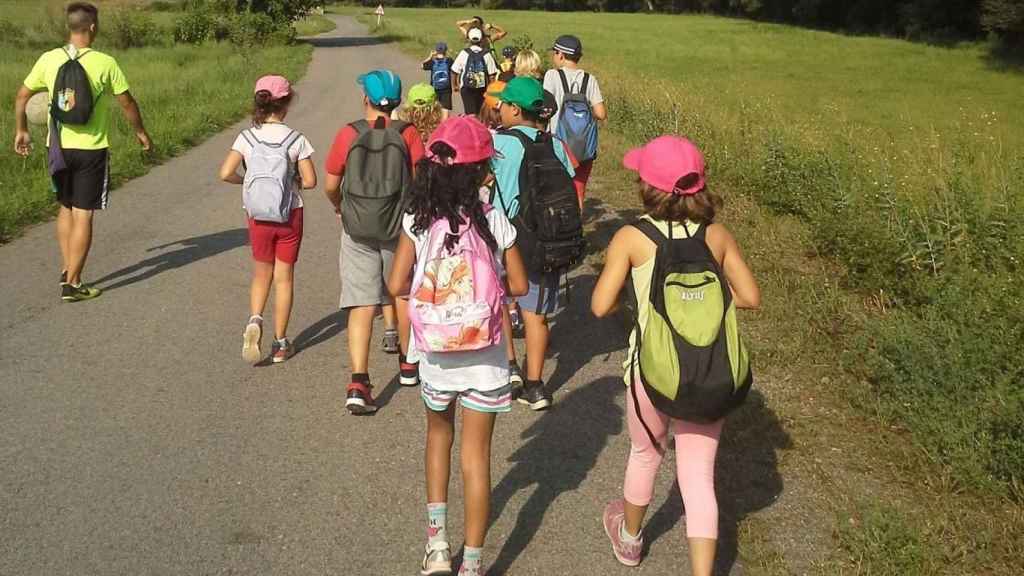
359 399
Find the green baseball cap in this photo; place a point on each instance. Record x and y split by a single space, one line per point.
422 95
523 91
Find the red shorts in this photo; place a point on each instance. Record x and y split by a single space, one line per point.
272 241
582 177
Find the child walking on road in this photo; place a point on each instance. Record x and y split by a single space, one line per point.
369 172
676 205
277 163
451 246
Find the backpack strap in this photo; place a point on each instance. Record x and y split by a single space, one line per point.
565 82
361 127
526 142
651 231
250 137
586 82
290 140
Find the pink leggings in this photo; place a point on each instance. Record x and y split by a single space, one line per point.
696 445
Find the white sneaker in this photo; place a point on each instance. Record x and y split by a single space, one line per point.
437 560
251 340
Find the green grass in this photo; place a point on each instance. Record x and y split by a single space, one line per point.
313 24
186 94
904 164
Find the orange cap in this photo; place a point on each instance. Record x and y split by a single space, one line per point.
495 87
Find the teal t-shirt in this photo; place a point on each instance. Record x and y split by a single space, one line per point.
505 164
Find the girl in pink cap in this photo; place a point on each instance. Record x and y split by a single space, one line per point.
444 207
672 190
275 244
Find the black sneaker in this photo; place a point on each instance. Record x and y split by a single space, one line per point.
515 317
408 374
515 375
534 396
71 293
360 399
63 277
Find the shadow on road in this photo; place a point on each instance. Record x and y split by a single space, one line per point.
555 458
321 331
348 42
189 250
747 478
577 337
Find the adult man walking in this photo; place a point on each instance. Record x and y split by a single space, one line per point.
80 81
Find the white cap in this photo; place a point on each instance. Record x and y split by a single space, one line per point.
475 35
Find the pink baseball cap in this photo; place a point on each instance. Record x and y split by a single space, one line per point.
470 139
664 160
278 86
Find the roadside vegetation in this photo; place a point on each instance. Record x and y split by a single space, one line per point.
880 185
190 64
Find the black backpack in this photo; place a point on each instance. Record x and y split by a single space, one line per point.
475 74
689 354
377 180
72 101
549 225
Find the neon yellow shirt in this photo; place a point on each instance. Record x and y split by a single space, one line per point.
106 79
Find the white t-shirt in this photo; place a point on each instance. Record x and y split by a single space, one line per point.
273 132
482 370
553 84
459 66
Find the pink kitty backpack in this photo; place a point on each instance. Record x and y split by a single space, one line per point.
456 299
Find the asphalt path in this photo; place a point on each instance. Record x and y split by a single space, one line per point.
134 440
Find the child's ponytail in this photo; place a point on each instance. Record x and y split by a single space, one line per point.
264 106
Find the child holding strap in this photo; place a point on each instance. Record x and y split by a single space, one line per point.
447 186
672 190
275 246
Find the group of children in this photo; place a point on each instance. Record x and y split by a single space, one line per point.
432 209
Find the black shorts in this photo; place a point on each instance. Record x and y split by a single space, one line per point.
445 98
472 100
84 183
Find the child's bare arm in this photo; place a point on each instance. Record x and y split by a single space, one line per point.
229 169
400 279
745 291
605 298
307 174
515 270
497 32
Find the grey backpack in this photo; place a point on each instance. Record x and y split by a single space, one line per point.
378 176
269 177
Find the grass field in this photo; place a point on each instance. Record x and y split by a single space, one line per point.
903 164
186 93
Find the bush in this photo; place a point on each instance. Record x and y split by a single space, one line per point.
193 28
257 29
11 34
165 6
131 29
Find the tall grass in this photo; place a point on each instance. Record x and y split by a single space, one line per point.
906 162
186 93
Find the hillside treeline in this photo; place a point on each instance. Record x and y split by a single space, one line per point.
917 19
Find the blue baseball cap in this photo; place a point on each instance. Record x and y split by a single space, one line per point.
382 87
441 47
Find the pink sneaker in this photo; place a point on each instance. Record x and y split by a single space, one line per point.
627 553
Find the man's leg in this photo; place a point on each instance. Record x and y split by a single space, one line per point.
64 225
79 243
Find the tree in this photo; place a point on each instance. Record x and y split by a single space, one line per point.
1005 18
279 10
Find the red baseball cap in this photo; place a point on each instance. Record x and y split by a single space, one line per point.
278 86
470 139
662 162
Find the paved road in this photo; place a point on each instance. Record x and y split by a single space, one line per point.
134 440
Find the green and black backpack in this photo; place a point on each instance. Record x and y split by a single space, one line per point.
692 362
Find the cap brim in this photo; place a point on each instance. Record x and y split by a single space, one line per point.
632 159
